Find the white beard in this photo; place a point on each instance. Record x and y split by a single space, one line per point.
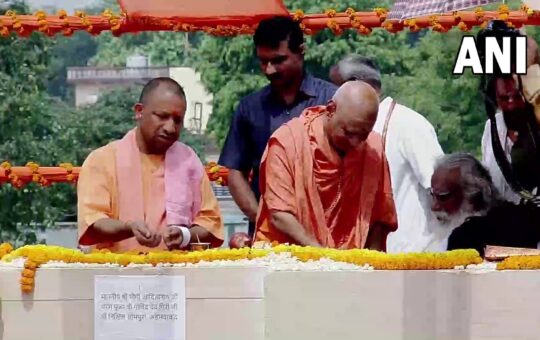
447 221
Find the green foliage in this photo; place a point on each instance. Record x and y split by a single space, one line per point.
25 133
68 51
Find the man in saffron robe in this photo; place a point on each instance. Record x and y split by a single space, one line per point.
325 179
147 190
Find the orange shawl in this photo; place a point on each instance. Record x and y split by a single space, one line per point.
300 172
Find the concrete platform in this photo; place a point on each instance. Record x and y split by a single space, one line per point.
255 304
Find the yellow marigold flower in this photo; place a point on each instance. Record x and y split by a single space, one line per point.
479 13
503 16
298 15
41 15
62 14
380 11
6 165
463 27
330 12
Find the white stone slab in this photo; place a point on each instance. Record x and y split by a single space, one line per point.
68 284
411 305
207 319
222 303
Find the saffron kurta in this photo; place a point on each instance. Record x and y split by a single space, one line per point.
98 198
336 199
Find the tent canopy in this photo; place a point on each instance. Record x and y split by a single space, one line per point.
205 12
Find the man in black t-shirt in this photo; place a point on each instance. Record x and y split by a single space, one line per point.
464 196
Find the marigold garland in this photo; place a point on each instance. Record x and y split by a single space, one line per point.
337 22
520 262
5 248
37 255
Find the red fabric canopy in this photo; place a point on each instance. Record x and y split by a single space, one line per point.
212 12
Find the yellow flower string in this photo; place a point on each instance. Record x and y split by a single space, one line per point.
520 262
381 13
504 12
67 30
16 22
298 15
36 255
42 21
4 32
5 248
36 176
463 27
69 169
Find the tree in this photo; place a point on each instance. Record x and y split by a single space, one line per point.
26 132
67 52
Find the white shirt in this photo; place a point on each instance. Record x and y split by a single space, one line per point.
488 158
412 148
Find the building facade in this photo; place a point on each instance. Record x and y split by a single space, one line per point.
92 81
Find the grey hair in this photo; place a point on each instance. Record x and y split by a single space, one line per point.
356 67
478 189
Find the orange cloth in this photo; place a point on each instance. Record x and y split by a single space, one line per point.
209 12
301 174
97 191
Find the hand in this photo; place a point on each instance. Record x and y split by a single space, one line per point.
239 240
173 238
144 235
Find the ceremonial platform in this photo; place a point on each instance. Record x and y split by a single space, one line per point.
252 303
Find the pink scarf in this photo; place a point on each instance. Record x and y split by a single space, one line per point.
175 189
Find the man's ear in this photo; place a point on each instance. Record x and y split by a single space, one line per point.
331 106
302 49
138 108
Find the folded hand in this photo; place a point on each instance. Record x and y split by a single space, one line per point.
173 238
144 235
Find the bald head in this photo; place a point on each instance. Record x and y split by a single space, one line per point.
354 106
356 98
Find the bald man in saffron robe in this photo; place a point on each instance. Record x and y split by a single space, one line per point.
324 177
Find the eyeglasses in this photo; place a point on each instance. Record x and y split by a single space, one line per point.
441 196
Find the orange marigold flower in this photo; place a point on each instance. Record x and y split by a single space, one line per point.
463 27
27 288
28 273
298 15
27 281
29 264
330 12
62 14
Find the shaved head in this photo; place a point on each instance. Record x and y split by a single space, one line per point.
354 109
356 98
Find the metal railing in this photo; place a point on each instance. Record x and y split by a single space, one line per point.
221 191
115 73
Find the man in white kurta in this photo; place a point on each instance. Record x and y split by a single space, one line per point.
412 149
489 161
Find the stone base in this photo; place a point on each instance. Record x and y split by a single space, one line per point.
403 305
221 303
253 304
